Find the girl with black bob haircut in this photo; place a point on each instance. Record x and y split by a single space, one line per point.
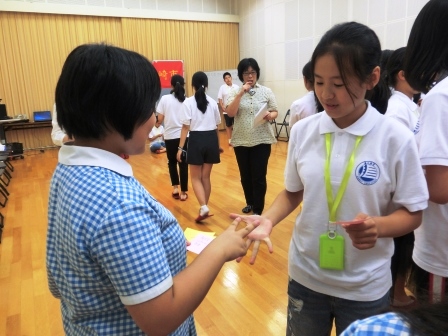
200 117
127 85
116 257
426 70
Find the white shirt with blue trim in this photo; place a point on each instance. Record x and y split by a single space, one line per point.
387 175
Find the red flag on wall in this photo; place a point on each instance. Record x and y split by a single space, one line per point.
167 69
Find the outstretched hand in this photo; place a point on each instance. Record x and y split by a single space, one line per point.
260 233
363 235
233 240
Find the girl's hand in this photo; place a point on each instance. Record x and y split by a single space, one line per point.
363 235
232 241
261 233
178 155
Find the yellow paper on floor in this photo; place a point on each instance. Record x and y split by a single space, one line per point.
191 233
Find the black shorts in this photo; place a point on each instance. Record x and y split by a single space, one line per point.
229 120
203 147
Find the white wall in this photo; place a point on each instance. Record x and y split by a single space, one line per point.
191 10
281 34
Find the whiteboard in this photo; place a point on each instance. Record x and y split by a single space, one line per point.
215 81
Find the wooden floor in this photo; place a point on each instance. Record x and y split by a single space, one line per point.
244 300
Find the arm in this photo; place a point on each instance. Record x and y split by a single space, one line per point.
221 103
58 136
232 108
398 223
285 203
166 312
183 137
437 180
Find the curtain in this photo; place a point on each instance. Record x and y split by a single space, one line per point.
35 46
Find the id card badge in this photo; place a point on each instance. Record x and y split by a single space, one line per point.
331 251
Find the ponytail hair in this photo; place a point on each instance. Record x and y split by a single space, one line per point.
199 81
178 82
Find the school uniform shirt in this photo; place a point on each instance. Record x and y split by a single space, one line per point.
387 175
197 120
109 244
388 324
302 108
156 131
244 134
171 109
402 108
224 91
430 246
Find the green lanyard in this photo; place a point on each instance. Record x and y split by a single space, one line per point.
333 203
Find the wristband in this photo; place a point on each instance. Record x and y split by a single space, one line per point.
180 148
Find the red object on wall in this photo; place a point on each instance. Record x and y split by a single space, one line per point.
167 69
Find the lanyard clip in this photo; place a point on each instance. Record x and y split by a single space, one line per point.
332 230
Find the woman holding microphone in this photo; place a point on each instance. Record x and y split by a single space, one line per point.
251 140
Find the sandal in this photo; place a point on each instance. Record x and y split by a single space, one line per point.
184 197
175 195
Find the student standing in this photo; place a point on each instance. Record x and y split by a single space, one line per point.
359 177
305 106
252 143
426 70
223 93
402 108
116 258
169 112
200 117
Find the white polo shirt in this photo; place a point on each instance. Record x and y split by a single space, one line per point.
224 91
197 120
302 108
402 108
387 175
171 108
431 238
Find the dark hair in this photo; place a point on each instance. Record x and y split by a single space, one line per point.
307 72
427 48
244 64
178 82
104 88
428 319
357 51
385 54
226 74
394 66
200 83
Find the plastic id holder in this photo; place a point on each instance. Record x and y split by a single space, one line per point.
331 252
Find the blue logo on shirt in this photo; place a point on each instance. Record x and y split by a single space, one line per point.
367 173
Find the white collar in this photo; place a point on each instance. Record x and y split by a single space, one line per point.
89 156
361 127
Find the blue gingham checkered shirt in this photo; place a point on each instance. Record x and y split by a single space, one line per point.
109 244
390 324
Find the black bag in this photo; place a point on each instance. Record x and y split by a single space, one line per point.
14 148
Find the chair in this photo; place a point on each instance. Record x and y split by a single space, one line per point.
285 124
